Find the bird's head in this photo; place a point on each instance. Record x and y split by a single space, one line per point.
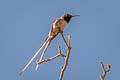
67 17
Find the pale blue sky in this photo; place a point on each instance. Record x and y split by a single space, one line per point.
95 36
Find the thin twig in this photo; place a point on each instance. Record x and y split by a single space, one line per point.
51 58
65 42
59 51
46 60
66 58
105 71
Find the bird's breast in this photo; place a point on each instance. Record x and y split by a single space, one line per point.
59 24
63 24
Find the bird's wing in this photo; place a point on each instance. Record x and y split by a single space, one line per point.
55 27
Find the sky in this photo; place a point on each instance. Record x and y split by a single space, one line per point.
95 37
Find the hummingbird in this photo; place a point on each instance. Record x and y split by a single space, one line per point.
56 28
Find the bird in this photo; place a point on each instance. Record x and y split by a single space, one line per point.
57 27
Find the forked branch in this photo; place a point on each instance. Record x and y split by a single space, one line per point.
102 77
52 58
67 56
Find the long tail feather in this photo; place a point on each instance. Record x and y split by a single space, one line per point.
34 55
46 47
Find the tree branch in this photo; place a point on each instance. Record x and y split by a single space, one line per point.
67 57
51 58
102 77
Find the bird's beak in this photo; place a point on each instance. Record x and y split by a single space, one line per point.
75 15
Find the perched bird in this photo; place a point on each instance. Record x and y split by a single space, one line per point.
57 27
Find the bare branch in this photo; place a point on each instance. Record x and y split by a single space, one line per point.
54 57
46 60
65 42
104 71
59 54
67 57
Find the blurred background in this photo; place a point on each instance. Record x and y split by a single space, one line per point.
95 37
